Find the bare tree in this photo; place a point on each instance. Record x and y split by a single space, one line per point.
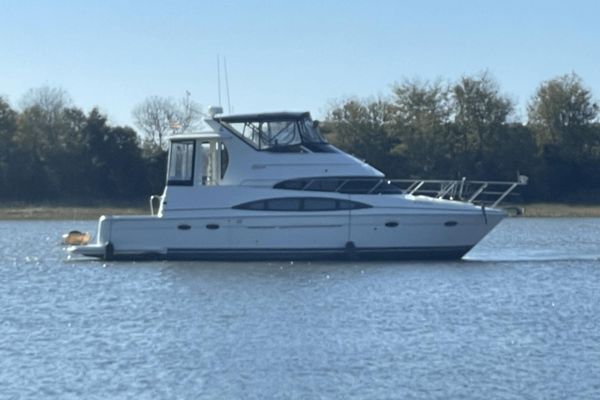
188 114
49 101
43 121
158 117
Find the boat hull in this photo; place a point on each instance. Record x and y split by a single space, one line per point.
424 253
364 235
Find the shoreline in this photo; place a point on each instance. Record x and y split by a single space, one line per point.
560 210
64 212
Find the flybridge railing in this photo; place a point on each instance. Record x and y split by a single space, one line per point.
489 193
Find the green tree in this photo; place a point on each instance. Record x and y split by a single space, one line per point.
480 113
115 165
560 108
8 128
562 116
360 128
39 144
421 128
51 151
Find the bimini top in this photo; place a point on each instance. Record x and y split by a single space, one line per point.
265 117
290 132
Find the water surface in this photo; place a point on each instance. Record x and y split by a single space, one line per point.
518 318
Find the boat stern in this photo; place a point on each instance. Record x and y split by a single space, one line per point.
89 250
101 248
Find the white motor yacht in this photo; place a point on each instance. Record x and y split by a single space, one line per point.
269 186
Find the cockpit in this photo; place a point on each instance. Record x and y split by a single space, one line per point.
278 132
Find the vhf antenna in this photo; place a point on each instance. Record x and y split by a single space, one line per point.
219 77
229 107
227 85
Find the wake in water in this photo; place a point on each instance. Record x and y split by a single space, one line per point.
530 257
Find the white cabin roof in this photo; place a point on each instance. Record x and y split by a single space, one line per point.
196 135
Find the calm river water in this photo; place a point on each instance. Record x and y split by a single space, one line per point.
519 318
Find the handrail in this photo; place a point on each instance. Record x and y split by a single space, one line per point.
489 193
153 198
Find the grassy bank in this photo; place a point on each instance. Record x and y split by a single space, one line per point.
561 210
65 212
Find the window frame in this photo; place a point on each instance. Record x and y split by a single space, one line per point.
182 182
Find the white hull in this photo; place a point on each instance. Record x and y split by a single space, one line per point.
230 235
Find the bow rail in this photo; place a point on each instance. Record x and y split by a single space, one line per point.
488 193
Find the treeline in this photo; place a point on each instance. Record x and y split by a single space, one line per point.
468 128
52 151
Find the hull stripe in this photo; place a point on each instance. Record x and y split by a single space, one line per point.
395 253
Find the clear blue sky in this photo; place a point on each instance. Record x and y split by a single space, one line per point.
285 55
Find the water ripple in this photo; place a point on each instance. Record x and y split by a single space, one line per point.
519 318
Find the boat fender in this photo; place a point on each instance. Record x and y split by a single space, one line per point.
484 214
109 251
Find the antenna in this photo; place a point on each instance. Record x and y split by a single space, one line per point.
219 77
227 85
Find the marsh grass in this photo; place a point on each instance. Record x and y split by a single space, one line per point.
66 212
561 210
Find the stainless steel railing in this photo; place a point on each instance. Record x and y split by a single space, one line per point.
153 199
490 193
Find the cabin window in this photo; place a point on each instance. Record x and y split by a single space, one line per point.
293 184
181 163
255 205
351 205
289 204
224 159
386 187
325 185
320 204
358 186
302 204
342 185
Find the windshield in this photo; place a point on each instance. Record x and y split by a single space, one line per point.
277 134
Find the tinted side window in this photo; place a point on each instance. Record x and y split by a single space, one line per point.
257 205
358 186
302 204
387 187
294 184
351 205
319 204
289 204
324 185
